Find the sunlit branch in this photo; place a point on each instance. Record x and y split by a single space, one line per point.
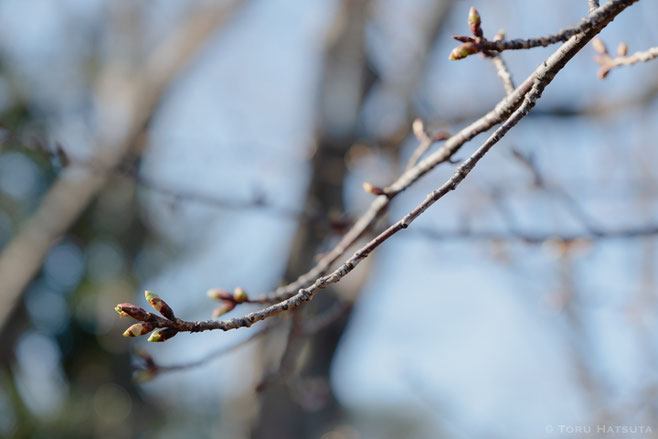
511 109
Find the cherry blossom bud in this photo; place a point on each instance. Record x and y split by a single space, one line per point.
371 188
222 309
159 304
463 51
163 334
239 295
219 294
139 329
474 22
134 311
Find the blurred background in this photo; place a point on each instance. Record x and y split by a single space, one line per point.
179 146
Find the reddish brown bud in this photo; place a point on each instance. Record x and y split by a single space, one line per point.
371 188
463 51
159 304
163 334
474 22
219 294
134 311
222 309
139 329
239 295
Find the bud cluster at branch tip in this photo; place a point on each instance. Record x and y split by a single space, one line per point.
148 321
159 305
471 45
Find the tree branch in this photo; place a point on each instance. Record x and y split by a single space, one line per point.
513 108
608 63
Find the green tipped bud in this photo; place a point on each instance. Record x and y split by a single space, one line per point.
134 311
463 51
159 304
474 22
219 294
163 334
139 329
240 295
222 309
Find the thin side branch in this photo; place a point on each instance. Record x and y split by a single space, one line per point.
480 44
608 63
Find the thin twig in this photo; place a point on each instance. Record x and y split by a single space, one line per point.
443 154
529 237
608 63
503 73
480 44
211 356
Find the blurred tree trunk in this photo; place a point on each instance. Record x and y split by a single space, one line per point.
344 85
347 81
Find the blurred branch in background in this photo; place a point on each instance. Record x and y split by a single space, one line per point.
126 97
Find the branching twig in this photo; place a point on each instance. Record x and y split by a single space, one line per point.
480 44
511 109
608 63
452 145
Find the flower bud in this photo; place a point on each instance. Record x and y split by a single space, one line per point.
418 128
219 294
139 329
622 49
163 334
463 51
222 309
474 22
159 304
134 311
239 295
371 188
